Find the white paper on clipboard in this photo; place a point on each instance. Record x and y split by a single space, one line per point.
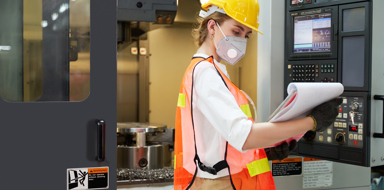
301 99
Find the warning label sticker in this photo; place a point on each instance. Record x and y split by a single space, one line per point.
288 166
87 178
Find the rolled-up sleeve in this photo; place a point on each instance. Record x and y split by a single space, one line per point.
218 105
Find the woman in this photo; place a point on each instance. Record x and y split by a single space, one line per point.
217 144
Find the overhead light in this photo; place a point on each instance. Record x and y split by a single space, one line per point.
63 7
6 48
54 16
44 23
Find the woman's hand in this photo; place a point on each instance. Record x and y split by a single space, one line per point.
280 152
325 114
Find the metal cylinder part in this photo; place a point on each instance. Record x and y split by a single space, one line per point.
140 139
150 157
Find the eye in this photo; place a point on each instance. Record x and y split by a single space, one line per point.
247 36
236 33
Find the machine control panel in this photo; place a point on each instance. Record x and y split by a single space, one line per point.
312 72
348 129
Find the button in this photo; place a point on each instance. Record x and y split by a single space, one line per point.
328 70
317 70
336 124
360 131
340 109
332 70
355 136
355 143
321 138
322 66
317 66
345 100
332 79
322 70
351 136
360 137
325 79
317 75
360 125
345 115
339 116
344 125
290 75
329 131
289 66
329 139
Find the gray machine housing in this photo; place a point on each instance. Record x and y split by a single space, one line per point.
146 10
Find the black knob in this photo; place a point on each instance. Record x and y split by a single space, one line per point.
139 5
309 135
340 138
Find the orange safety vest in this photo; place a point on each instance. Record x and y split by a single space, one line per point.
250 170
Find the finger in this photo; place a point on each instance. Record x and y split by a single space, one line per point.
285 151
281 151
293 145
278 148
336 102
273 155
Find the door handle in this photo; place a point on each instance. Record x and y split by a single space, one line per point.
379 135
100 140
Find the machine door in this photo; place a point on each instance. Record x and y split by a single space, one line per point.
57 93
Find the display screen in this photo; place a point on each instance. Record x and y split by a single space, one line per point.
353 128
312 33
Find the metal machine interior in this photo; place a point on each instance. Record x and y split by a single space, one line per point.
144 153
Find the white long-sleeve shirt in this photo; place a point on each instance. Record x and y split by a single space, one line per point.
217 117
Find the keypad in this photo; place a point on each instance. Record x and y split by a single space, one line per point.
305 73
327 68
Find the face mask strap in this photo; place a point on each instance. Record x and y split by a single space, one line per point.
221 30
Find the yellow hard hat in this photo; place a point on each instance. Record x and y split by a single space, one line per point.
243 11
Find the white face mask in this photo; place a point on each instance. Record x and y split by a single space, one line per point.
230 48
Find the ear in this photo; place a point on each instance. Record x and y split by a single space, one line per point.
211 26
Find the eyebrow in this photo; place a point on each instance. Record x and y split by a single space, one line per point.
241 28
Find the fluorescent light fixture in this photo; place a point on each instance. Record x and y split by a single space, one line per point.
6 48
44 23
63 7
54 16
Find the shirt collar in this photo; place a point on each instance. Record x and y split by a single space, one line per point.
221 66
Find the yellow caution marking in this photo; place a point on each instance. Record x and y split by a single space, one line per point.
245 108
181 101
258 167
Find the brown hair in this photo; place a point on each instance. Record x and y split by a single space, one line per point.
200 31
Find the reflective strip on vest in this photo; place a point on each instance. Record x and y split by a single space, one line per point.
181 101
245 108
258 167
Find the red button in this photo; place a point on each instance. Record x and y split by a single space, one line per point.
340 109
355 143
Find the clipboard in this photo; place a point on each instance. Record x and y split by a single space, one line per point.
302 98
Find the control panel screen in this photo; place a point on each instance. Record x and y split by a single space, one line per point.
312 33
